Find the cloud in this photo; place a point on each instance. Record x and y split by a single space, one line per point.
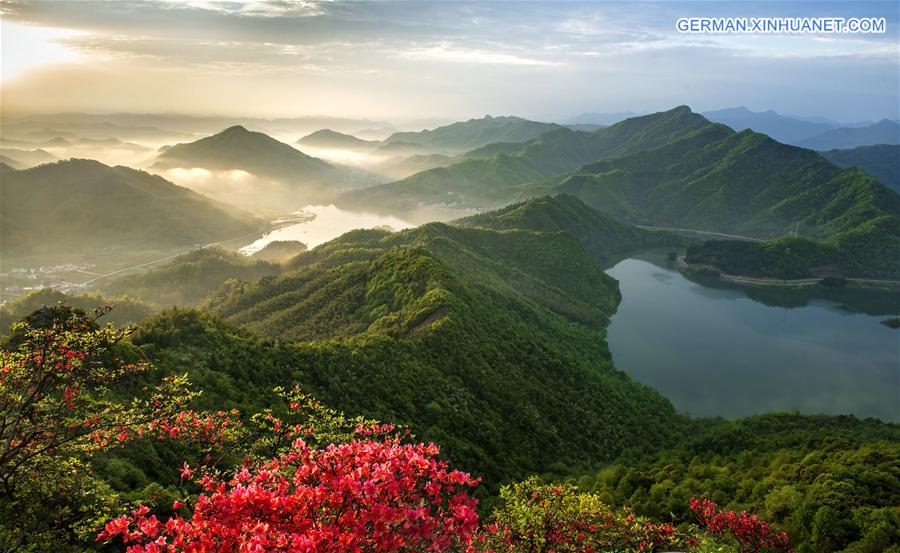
290 57
255 8
448 52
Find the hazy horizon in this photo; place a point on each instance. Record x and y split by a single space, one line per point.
379 61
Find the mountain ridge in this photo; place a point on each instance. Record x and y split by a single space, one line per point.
82 205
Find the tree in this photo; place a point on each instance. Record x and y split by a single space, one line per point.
537 518
59 376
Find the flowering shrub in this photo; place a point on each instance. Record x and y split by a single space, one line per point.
538 518
59 373
364 495
753 535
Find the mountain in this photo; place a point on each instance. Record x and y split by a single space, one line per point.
125 311
329 139
599 234
23 159
746 183
82 205
402 148
488 342
400 167
883 132
741 183
280 251
253 152
782 128
191 277
871 249
882 161
474 133
492 176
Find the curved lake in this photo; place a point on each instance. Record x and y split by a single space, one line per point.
717 349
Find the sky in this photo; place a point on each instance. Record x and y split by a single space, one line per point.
408 60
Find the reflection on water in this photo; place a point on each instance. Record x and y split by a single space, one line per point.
318 224
731 351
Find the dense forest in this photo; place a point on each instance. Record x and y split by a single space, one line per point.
486 337
446 387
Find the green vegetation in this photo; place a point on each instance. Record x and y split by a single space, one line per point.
742 183
893 322
870 250
489 343
279 251
474 133
676 169
831 482
486 182
126 310
882 161
601 235
189 278
79 206
784 258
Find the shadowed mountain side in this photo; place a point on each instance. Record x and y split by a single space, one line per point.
882 161
82 205
601 235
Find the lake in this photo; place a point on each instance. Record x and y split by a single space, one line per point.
317 224
732 351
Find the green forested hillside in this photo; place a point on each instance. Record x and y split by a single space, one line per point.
832 483
474 133
490 343
80 206
189 278
870 250
600 234
487 182
279 251
882 161
742 183
126 310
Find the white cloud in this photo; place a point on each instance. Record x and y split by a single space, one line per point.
261 8
447 52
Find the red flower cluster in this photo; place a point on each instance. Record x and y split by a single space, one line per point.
753 534
357 496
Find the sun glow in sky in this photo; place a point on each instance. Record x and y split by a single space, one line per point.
27 47
390 59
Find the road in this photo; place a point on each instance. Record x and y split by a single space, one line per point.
681 263
211 244
704 233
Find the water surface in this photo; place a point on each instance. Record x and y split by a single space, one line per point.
317 224
734 351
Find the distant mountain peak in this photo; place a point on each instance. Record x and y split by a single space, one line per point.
239 148
235 129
